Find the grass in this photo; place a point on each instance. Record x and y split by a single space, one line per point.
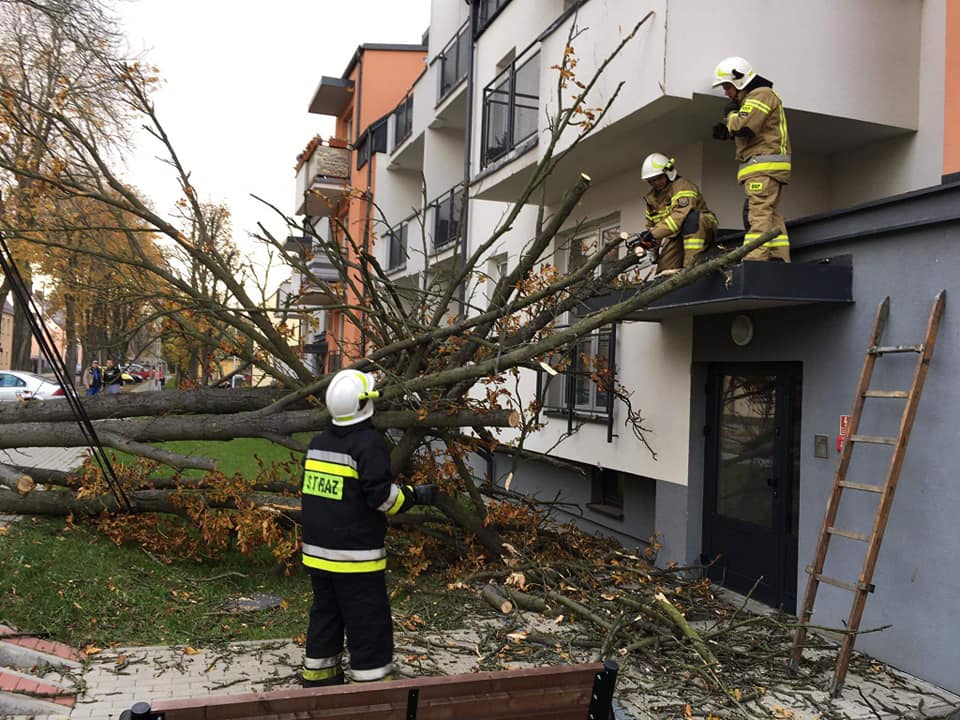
70 583
232 456
73 585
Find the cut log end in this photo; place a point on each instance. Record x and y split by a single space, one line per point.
496 599
25 484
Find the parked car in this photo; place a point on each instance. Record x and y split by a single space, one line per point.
20 385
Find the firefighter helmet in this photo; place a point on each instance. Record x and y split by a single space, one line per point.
350 397
658 164
734 70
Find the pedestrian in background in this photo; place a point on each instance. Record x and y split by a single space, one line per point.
93 378
112 380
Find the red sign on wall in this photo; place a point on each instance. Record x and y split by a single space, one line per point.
844 425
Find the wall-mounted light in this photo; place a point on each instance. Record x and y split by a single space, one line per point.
741 330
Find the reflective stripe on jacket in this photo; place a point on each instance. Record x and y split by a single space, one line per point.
767 150
346 494
666 210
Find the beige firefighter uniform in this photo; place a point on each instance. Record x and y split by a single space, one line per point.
759 130
679 219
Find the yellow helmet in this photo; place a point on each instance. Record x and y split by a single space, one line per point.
734 70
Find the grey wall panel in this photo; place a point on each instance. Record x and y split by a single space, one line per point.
918 574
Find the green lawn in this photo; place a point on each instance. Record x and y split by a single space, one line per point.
70 583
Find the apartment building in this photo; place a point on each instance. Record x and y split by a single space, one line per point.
742 384
336 181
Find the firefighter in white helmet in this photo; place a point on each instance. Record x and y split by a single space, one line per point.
679 223
347 494
754 118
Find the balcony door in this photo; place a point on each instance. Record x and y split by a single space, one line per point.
752 480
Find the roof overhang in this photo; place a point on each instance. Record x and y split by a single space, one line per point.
332 96
748 286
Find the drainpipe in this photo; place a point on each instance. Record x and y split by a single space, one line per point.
358 106
468 141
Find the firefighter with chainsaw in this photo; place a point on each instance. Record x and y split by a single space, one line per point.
347 494
754 118
679 223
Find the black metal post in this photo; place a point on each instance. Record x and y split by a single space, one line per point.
601 699
140 711
612 375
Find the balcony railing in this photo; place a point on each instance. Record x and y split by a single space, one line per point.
453 61
446 217
486 11
402 121
511 107
584 389
397 257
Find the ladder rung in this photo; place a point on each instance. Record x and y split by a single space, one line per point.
884 349
886 394
875 439
866 487
848 534
852 587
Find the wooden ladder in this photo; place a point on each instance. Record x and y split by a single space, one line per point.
864 585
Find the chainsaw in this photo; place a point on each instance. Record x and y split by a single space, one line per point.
644 246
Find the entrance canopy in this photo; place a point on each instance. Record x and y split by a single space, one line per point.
748 286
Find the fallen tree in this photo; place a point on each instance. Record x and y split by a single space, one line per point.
448 381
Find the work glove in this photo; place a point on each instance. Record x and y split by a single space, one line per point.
731 107
425 494
720 132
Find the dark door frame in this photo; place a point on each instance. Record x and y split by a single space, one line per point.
789 375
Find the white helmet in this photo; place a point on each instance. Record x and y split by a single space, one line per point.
734 70
658 164
350 397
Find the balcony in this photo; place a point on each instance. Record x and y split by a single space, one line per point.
668 104
323 179
322 286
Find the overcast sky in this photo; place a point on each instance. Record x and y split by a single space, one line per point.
238 76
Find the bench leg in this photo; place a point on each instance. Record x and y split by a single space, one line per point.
601 700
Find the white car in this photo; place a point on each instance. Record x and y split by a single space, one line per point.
19 385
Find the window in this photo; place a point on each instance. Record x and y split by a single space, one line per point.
510 107
485 11
606 492
403 120
446 217
578 389
397 257
576 251
496 269
453 62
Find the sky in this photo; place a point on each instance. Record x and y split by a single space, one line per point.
238 76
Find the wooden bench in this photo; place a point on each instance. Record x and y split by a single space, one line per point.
567 692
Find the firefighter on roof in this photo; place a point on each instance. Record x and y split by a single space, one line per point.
755 119
347 493
678 219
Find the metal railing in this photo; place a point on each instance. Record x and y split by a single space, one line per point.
402 121
511 105
446 217
453 61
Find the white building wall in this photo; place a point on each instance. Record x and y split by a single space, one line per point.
910 162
